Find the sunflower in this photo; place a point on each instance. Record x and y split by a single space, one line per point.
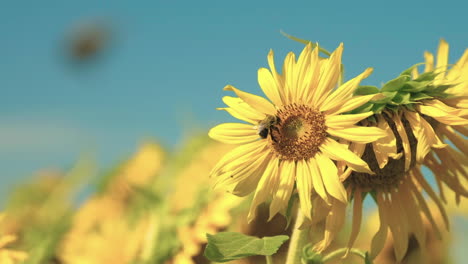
294 138
210 213
10 256
415 130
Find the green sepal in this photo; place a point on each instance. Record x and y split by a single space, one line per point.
408 71
395 84
419 96
227 246
402 98
366 90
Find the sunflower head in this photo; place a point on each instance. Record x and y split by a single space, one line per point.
290 141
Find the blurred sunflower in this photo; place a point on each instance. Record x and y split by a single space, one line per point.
412 133
293 138
110 227
9 256
205 211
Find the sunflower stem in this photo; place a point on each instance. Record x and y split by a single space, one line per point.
269 260
298 240
342 252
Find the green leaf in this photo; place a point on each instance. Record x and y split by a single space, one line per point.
227 246
366 89
395 84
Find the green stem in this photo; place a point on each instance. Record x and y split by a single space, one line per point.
298 240
341 252
269 260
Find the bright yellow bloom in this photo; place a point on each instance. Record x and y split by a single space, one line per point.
9 256
293 138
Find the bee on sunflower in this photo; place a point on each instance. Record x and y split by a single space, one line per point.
291 142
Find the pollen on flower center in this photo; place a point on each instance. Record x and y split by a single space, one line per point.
299 132
389 176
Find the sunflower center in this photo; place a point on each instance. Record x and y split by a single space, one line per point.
393 172
298 133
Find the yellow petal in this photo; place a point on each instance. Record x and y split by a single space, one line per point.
278 78
429 58
443 113
282 195
357 217
344 92
424 134
378 241
256 102
269 86
317 180
304 187
442 59
336 151
312 77
398 228
303 73
243 109
333 225
233 133
238 156
352 104
266 184
358 134
342 121
329 75
289 88
385 147
329 174
243 181
404 141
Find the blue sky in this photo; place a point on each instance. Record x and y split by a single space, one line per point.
163 74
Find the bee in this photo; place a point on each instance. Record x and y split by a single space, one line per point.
266 125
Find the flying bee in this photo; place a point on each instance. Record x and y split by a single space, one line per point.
265 126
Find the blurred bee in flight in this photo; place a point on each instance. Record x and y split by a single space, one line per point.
87 41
